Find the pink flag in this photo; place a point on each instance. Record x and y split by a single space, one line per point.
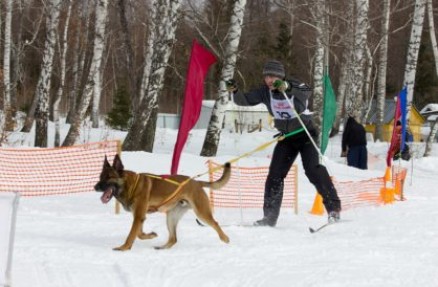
200 61
399 128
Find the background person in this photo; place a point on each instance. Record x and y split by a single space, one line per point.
354 144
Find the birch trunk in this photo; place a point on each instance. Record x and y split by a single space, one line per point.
79 116
345 67
318 73
414 48
140 137
99 45
7 105
434 128
212 137
431 138
81 43
355 97
63 53
129 51
382 68
43 86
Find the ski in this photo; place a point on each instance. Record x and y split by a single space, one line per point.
314 230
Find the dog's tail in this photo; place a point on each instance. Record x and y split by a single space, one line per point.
218 184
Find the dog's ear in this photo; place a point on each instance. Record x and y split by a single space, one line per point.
118 165
106 163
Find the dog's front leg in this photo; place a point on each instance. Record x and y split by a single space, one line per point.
135 230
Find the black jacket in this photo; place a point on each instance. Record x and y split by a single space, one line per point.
298 90
354 134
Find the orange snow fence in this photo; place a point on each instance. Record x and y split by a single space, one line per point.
49 171
247 186
368 192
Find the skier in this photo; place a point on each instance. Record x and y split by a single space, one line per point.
271 93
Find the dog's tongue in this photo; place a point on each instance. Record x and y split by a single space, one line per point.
106 196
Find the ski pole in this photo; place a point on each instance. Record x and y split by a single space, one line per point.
302 124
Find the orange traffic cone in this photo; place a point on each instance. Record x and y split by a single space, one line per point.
318 207
387 191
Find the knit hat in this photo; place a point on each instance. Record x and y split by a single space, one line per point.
273 68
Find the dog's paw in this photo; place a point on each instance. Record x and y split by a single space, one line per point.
122 248
144 236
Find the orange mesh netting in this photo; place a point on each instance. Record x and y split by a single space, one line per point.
368 192
246 188
359 193
48 171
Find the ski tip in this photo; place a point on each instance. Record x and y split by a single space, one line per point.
199 222
311 230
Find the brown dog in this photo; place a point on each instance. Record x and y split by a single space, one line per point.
146 193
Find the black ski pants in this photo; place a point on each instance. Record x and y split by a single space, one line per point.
285 153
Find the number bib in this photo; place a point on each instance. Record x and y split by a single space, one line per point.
281 109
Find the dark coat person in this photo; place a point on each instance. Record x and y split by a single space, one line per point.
354 144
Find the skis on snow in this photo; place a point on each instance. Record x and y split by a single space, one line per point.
314 230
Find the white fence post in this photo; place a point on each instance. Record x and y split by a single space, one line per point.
8 214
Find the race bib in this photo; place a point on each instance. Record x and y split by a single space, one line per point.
282 109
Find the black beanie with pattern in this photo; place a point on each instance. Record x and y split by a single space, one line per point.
274 68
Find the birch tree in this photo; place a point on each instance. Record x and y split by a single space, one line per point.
43 86
78 69
318 71
165 22
20 55
354 101
414 48
62 64
99 44
93 76
382 68
212 137
434 127
7 87
345 71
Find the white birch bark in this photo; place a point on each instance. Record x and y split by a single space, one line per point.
354 99
149 50
232 43
414 48
432 33
167 12
99 45
62 60
381 70
434 128
7 67
431 138
43 86
318 71
79 57
345 65
79 116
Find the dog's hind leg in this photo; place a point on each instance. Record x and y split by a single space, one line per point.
172 217
202 209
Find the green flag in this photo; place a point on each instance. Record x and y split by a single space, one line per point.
329 112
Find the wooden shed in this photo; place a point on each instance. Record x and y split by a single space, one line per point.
416 120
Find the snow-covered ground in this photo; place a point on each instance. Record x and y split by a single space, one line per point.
65 241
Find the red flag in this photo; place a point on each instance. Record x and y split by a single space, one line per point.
200 61
394 147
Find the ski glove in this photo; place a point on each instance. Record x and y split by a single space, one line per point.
231 85
280 85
